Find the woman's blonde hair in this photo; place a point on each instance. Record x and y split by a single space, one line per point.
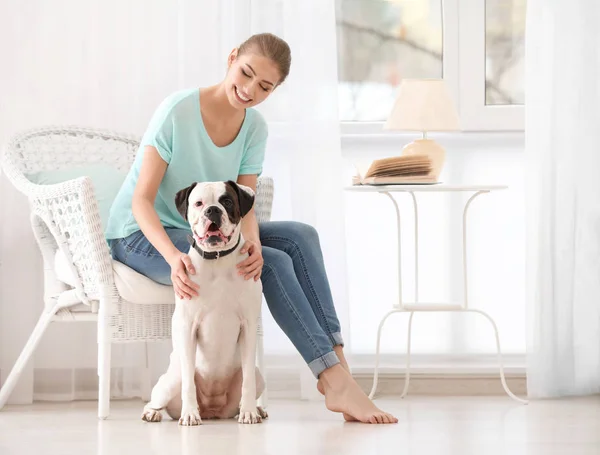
272 47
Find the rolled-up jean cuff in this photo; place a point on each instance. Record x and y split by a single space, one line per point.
336 339
320 364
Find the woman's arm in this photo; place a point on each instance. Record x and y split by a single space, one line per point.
251 267
151 174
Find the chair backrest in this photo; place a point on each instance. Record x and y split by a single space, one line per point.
263 204
54 148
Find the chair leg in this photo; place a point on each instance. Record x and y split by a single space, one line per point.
103 379
25 355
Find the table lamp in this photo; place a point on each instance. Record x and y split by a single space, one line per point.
424 105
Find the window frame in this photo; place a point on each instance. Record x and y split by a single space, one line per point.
463 69
475 114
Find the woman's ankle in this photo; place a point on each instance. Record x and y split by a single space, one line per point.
339 351
335 377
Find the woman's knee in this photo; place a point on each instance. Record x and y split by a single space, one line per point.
299 232
276 259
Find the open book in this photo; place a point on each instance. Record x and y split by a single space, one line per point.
408 169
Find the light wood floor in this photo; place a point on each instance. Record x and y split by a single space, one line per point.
428 425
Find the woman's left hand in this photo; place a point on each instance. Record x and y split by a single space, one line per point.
251 267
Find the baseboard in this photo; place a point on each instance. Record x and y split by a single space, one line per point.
287 386
435 375
430 375
393 385
283 384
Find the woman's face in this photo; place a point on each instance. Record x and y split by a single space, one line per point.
250 80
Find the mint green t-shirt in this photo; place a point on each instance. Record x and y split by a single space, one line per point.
176 130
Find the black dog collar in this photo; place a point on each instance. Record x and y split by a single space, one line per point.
211 254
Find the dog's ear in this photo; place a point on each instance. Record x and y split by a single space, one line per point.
181 200
245 196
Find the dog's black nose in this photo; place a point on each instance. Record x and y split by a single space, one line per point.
213 213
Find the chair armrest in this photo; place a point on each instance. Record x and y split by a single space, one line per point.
65 215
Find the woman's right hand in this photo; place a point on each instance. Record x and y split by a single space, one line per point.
181 266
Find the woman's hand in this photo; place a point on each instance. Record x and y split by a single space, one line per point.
184 287
251 267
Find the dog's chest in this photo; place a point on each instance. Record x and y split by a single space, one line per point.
220 286
224 304
213 276
224 299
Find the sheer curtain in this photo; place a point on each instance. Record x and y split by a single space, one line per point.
305 138
563 143
108 64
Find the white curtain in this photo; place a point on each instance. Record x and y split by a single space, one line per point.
107 64
563 151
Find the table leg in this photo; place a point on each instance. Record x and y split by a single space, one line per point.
466 297
465 277
399 230
407 372
416 214
500 362
376 372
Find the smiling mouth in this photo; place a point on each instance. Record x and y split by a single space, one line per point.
213 235
240 96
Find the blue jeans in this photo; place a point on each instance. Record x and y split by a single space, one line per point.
294 282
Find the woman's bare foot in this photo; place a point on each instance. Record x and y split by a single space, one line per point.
343 394
340 353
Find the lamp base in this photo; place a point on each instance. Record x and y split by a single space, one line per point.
430 148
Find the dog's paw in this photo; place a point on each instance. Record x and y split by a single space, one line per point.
262 412
250 417
190 418
151 415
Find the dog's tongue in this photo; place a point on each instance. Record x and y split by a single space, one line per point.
211 227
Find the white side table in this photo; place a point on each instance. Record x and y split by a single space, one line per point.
417 306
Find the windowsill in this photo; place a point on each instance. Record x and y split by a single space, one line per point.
454 139
376 128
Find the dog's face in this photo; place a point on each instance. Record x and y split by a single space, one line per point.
215 211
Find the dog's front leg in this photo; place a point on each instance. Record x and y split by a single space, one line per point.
248 411
185 343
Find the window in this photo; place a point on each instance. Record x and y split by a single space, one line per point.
379 43
504 52
477 46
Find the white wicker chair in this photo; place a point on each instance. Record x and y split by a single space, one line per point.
65 218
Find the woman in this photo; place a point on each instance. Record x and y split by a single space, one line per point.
213 134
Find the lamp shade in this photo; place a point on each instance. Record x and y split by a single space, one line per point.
423 105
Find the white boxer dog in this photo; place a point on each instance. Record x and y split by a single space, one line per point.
212 372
